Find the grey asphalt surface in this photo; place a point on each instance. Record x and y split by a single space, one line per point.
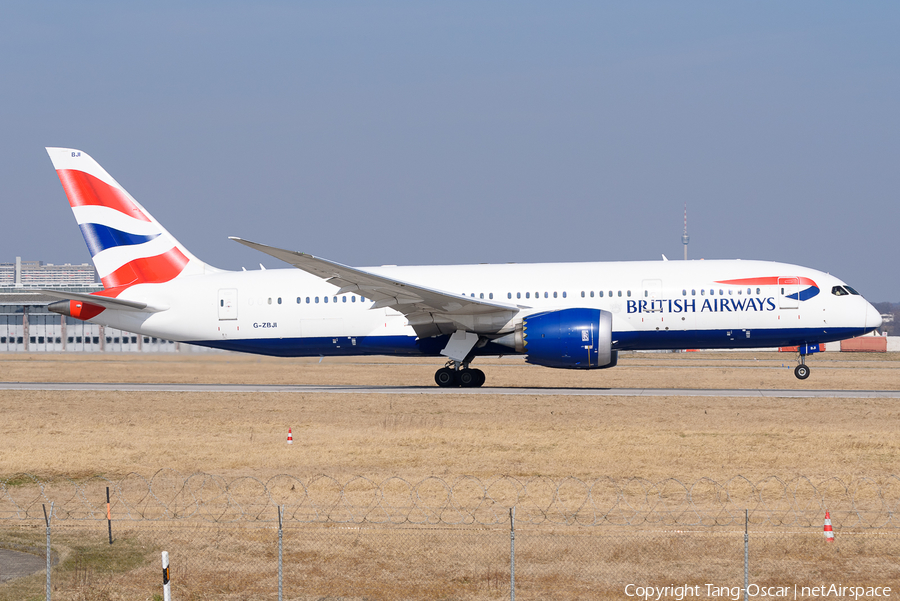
14 564
648 392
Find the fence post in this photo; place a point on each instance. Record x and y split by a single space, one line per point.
167 587
280 547
512 554
108 516
746 556
49 552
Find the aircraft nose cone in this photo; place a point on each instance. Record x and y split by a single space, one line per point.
873 318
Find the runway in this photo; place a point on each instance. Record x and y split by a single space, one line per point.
434 390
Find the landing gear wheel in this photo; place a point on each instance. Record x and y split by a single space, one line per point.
466 378
445 377
802 372
471 378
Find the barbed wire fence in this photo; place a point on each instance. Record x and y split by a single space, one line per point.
397 538
466 500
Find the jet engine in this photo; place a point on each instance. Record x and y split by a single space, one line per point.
568 338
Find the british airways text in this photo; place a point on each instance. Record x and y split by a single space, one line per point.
714 305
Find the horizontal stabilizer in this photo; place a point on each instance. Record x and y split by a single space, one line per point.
106 302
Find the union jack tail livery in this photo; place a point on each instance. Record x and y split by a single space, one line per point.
127 244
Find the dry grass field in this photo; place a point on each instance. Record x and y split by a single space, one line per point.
83 434
78 434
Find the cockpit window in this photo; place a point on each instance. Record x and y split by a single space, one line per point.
851 290
839 291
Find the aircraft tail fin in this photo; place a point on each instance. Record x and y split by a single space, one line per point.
127 244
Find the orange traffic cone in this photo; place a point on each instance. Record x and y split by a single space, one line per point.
291 441
829 533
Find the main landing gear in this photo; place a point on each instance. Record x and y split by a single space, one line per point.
458 374
802 370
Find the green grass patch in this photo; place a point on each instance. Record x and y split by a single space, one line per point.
84 561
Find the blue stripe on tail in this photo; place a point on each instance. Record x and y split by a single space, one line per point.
100 237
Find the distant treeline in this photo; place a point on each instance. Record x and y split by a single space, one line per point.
892 328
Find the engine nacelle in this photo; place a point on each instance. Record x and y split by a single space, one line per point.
569 338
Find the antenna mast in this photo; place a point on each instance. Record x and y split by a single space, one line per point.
685 238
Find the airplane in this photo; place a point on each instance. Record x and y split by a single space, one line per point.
558 315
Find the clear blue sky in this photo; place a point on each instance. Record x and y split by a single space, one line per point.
466 132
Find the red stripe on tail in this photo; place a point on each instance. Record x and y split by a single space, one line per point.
85 189
149 270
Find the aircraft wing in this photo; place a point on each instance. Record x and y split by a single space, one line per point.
430 312
102 301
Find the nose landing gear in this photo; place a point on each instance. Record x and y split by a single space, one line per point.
459 374
802 370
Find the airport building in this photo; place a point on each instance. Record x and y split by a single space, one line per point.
26 325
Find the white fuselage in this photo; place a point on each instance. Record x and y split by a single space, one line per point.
655 305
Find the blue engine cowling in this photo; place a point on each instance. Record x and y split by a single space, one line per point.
569 339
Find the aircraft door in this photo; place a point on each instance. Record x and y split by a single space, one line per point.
788 292
652 293
228 303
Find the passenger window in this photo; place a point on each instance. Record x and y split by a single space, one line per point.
279 300
509 295
222 302
592 293
757 291
518 295
298 300
730 292
749 291
554 294
629 294
352 299
481 295
527 295
317 299
582 294
307 300
491 296
684 293
693 292
564 294
325 298
270 300
546 295
620 293
343 299
335 299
